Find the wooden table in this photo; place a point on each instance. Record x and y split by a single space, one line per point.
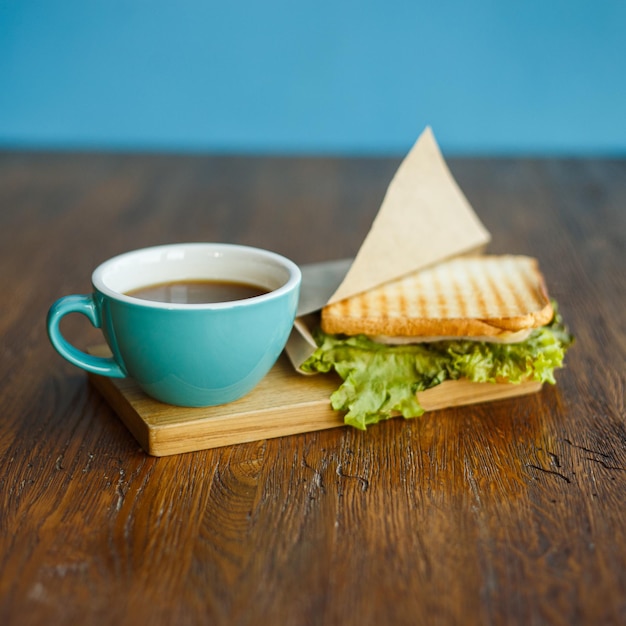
507 513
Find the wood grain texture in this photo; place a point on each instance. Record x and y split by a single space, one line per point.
511 513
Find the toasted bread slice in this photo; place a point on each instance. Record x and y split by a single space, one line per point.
480 296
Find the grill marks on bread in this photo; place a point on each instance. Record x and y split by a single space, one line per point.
467 296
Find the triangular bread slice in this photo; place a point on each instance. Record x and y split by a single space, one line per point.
488 297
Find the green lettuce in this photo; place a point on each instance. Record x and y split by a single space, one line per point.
381 381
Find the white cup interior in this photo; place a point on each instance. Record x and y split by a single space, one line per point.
196 261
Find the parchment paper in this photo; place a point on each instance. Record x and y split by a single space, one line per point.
424 219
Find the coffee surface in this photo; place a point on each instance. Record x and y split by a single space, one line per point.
197 292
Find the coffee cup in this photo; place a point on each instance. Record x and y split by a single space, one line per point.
185 347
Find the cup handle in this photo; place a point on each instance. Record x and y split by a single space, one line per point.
85 305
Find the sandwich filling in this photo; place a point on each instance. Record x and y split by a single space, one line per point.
382 381
504 337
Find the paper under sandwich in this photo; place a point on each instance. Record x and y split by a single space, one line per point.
464 319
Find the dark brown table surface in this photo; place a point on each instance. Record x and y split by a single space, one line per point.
505 513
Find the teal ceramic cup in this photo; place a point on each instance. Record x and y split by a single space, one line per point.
186 354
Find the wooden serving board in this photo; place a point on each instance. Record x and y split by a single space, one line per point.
284 403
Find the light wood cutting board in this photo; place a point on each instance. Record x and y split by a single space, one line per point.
284 403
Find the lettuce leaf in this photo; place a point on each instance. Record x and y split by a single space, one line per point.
381 381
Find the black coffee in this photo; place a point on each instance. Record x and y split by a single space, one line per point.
197 292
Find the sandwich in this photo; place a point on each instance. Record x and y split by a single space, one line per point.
476 319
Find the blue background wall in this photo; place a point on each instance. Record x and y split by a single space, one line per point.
491 76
